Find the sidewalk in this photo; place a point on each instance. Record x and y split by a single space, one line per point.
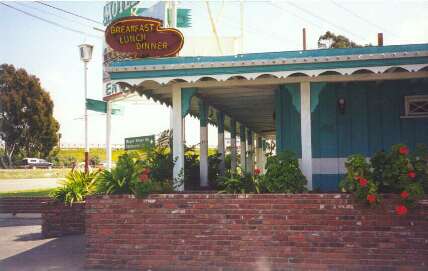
21 248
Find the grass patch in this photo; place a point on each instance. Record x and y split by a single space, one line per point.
79 153
33 173
28 193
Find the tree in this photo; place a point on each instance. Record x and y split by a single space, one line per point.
28 127
331 40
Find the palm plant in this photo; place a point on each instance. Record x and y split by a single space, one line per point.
76 187
121 179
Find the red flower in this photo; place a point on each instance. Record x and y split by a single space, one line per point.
146 171
371 198
363 181
404 150
144 177
257 171
411 174
404 195
401 209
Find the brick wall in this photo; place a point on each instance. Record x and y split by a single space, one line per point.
16 205
185 232
59 219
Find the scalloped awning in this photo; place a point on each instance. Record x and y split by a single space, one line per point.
242 86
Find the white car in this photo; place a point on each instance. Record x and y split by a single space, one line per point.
36 163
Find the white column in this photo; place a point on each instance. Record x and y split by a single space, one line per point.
178 139
259 152
204 156
250 158
220 149
263 155
243 146
108 135
233 150
220 144
305 118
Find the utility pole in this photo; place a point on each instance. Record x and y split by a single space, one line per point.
242 26
304 38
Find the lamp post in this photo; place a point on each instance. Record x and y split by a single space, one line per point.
85 56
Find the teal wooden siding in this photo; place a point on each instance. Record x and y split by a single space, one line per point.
326 182
371 121
287 118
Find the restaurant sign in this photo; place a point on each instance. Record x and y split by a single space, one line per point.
143 37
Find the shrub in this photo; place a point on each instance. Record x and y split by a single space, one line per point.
396 172
359 179
160 162
76 187
191 170
237 183
120 179
283 175
419 160
213 168
144 187
133 175
95 160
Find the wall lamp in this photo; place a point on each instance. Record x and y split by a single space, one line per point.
341 105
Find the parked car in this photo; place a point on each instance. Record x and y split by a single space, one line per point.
36 163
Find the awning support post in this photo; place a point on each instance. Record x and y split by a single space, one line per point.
203 155
259 153
108 135
305 125
220 147
177 139
233 150
250 158
243 145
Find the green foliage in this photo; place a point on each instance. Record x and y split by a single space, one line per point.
393 172
95 160
120 179
139 175
238 183
331 40
143 189
213 169
191 170
359 179
76 187
419 160
160 162
283 175
26 115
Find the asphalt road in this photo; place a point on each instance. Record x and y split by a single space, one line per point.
9 185
22 249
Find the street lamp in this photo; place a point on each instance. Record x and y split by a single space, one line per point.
85 56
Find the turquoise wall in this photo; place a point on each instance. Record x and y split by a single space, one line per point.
371 121
287 118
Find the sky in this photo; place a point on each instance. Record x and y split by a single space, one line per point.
51 52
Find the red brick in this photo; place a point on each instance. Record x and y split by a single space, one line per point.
221 232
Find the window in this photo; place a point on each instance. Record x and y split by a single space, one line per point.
416 105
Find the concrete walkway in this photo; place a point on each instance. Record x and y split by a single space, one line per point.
9 185
22 249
